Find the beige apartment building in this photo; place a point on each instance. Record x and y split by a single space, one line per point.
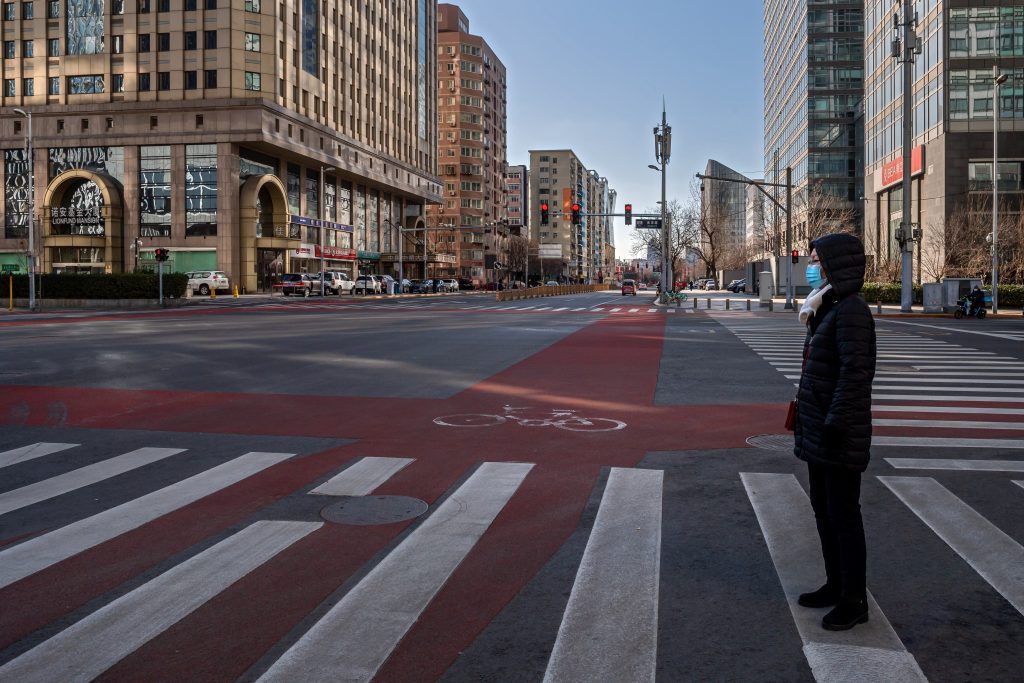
472 149
243 135
571 253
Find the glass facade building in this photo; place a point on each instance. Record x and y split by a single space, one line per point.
813 87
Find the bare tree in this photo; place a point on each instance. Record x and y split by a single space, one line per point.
681 233
821 213
518 256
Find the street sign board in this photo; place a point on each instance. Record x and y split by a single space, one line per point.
10 268
648 223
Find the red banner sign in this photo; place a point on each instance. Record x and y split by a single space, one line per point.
337 253
892 172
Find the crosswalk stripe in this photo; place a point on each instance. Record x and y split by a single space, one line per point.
616 310
883 396
995 556
84 476
616 586
36 450
362 477
787 522
26 558
952 410
634 310
387 602
960 465
992 390
939 442
89 647
949 424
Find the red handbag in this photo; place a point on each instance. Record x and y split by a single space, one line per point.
791 416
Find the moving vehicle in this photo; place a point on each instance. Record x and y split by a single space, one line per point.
963 310
205 281
628 287
642 287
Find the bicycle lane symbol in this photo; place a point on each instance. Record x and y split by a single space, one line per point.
559 418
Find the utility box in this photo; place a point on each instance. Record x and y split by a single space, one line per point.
956 288
766 286
932 297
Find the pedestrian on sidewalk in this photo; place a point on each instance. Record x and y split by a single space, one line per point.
833 421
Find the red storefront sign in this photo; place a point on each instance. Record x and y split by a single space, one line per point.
337 253
892 172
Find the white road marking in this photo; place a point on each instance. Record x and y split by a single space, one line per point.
616 310
36 450
995 556
634 310
390 598
939 442
362 477
994 390
89 647
908 377
882 396
40 552
949 424
610 627
958 465
952 410
787 522
83 476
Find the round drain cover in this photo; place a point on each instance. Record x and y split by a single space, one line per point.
772 442
366 510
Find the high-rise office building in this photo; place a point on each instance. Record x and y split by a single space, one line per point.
813 80
246 136
472 150
517 196
953 109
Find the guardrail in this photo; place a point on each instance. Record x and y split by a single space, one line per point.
549 290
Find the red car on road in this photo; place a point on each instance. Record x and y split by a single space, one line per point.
628 287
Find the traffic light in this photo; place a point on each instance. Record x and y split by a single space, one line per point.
543 213
162 254
629 214
575 214
796 256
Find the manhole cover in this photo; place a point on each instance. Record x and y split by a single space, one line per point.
897 368
772 442
366 510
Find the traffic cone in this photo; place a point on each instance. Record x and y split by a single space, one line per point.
213 292
236 291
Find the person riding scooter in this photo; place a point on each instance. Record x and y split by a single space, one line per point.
977 299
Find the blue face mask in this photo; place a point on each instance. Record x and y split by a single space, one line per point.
814 276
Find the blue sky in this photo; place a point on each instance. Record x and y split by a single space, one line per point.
590 75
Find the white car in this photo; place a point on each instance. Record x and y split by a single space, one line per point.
550 283
451 285
205 281
337 282
367 284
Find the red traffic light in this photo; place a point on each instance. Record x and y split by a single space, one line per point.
543 213
543 206
575 207
796 256
629 214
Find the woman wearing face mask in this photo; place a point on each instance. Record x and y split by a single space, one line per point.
833 421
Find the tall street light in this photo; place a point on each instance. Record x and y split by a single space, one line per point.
323 229
31 212
662 152
998 79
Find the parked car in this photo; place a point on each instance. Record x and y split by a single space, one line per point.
551 283
737 286
451 285
628 287
423 286
301 284
205 281
465 283
642 286
406 286
367 284
337 282
710 284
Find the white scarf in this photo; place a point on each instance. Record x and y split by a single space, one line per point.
812 302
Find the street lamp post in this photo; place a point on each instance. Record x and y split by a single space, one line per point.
998 79
322 230
662 152
31 211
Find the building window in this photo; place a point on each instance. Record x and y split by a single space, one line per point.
210 4
252 42
143 6
118 45
53 47
155 191
310 37
163 80
190 5
15 194
252 80
118 82
210 78
53 85
9 87
143 82
144 42
200 190
191 42
210 40
191 80
252 6
27 48
163 42
53 9
27 11
9 49
9 14
117 7
28 87
85 85
163 5
84 30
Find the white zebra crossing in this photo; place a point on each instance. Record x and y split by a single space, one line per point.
36 450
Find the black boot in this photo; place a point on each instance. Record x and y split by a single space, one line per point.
826 596
847 614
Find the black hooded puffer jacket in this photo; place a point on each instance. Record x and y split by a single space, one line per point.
833 425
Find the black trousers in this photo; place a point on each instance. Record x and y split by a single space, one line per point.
835 498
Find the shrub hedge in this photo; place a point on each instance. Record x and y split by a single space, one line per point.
100 286
889 293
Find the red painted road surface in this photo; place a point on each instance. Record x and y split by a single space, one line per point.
608 369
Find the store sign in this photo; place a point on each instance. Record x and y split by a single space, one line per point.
65 215
892 172
336 253
443 258
304 251
368 255
316 223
